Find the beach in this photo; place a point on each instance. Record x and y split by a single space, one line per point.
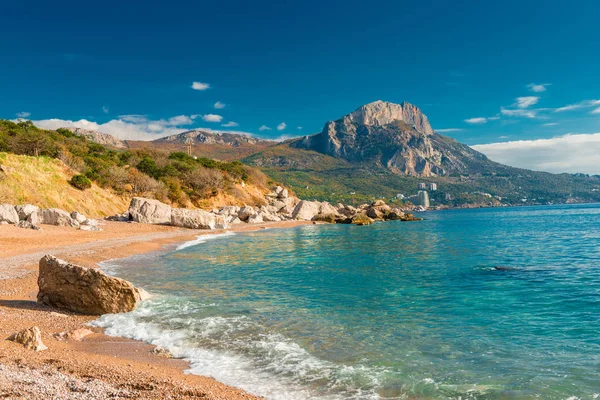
99 366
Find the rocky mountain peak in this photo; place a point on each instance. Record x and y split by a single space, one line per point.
99 137
380 113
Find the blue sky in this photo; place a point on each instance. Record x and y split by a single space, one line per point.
129 67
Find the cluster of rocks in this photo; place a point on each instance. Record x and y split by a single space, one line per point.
364 214
31 217
280 206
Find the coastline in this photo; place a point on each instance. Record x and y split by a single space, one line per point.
117 366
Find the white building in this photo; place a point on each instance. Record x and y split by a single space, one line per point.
432 186
423 198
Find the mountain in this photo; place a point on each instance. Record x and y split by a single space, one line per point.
206 137
382 149
219 145
397 137
99 137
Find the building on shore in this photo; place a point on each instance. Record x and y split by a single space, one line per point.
423 198
432 186
422 186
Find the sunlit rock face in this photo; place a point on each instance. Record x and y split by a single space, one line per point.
395 136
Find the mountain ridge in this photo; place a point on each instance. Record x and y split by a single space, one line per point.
395 136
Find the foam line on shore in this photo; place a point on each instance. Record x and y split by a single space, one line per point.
203 238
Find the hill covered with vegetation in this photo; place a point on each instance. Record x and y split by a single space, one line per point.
175 178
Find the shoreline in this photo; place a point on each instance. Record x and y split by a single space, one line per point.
119 367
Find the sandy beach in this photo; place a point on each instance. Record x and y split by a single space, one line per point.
99 366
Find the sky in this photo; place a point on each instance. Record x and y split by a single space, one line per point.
517 80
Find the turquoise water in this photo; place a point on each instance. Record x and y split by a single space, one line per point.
468 304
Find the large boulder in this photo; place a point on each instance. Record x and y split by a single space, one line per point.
25 210
327 208
52 216
228 211
270 217
306 210
361 219
149 211
8 214
84 290
395 214
255 219
197 219
31 338
245 213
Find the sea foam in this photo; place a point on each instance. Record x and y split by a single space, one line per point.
203 238
239 352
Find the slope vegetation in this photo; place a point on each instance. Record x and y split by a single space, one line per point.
44 181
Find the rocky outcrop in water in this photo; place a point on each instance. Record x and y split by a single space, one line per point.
83 290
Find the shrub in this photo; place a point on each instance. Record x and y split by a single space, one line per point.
81 182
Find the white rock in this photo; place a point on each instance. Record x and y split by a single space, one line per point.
52 216
246 212
149 211
197 219
255 219
8 214
306 210
78 217
25 211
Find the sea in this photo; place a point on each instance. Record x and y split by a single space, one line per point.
497 303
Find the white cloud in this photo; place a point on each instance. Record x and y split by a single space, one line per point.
180 120
569 153
212 118
281 126
518 113
551 124
134 118
299 128
448 130
132 127
478 120
230 124
23 114
264 128
218 105
527 101
105 109
538 88
577 106
596 111
200 86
